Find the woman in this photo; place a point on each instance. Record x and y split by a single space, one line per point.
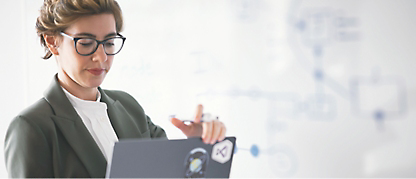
71 131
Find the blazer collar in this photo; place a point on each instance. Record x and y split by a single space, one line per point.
123 124
74 130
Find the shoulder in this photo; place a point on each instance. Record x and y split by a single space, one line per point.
31 127
37 115
41 109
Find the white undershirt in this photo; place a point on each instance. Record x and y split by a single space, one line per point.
95 118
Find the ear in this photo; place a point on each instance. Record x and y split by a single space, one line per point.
52 43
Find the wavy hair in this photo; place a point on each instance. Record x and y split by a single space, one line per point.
57 15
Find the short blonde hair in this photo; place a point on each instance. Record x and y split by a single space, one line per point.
57 15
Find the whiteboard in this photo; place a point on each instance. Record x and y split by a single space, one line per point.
317 88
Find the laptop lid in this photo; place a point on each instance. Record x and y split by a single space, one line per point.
162 158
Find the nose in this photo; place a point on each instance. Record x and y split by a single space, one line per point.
99 55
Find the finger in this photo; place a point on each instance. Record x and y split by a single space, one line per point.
180 125
222 134
207 132
198 114
216 130
195 130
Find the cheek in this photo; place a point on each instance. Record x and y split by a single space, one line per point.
66 48
71 62
110 61
66 55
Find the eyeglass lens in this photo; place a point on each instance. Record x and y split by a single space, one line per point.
88 46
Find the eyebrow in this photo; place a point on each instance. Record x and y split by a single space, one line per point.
94 36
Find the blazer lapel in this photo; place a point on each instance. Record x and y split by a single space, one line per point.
74 130
122 122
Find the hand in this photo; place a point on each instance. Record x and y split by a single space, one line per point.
210 131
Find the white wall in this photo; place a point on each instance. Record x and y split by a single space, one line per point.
318 88
13 70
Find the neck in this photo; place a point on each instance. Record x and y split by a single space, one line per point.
77 90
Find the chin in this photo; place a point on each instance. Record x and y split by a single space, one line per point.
95 82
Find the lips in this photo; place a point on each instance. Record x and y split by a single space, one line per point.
96 71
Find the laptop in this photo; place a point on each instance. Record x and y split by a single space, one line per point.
162 158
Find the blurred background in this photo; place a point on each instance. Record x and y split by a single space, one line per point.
317 88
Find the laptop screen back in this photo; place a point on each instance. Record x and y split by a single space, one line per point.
161 158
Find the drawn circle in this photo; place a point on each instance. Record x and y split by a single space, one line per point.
254 150
379 115
283 161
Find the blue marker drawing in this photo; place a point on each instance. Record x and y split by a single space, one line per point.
254 150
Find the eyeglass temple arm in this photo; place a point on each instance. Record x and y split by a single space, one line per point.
66 35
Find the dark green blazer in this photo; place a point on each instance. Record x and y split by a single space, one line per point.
49 139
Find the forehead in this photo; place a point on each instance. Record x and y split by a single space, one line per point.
99 25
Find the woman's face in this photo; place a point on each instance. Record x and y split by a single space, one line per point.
86 71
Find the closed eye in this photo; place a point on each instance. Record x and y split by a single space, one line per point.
86 44
109 44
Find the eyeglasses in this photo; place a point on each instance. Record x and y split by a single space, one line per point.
86 46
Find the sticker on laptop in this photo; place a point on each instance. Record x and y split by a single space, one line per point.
221 152
196 163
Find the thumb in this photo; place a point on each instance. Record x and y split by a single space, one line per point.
179 124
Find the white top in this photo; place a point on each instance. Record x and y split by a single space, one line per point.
95 118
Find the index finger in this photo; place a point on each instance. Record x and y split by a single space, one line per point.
198 114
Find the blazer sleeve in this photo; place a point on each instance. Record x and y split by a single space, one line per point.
155 130
27 154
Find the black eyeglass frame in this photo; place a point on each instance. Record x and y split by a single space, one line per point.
75 39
